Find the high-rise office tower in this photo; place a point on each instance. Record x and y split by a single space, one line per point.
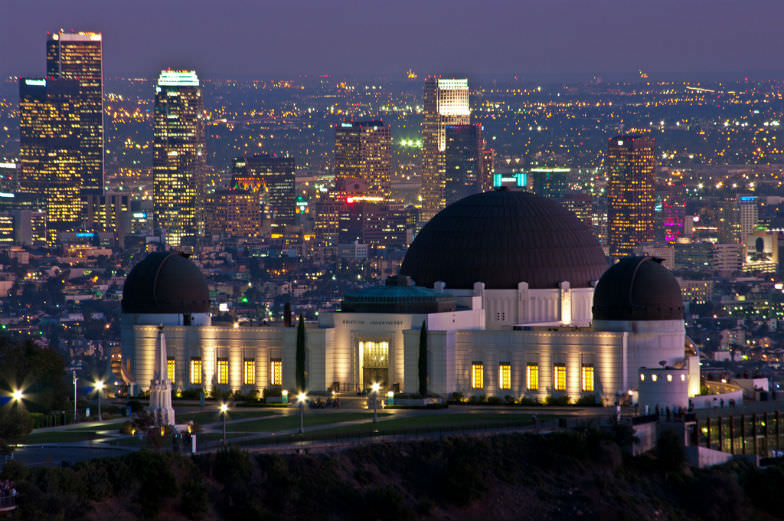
78 56
670 210
179 156
446 102
749 215
631 163
364 150
464 163
273 179
233 213
50 153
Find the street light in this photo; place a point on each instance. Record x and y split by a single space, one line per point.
17 395
224 409
375 388
75 380
301 397
99 385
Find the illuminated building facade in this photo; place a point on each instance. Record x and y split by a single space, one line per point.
505 332
670 211
464 163
550 182
580 204
630 193
179 156
446 102
364 150
233 213
78 56
50 152
109 212
748 211
273 180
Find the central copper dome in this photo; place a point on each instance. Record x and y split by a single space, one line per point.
502 238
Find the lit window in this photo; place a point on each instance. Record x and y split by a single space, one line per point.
196 370
249 370
669 378
505 375
653 377
683 378
223 371
477 375
642 377
170 369
587 378
276 372
532 377
559 377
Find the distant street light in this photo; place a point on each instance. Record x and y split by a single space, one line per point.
375 388
224 409
17 395
99 385
75 379
301 397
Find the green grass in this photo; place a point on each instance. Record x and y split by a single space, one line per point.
214 416
291 421
61 436
412 425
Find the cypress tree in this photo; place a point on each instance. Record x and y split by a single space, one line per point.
423 359
300 369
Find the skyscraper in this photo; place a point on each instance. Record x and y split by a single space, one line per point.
631 179
446 102
50 153
78 56
364 150
464 162
179 151
272 178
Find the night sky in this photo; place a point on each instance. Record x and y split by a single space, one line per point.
265 38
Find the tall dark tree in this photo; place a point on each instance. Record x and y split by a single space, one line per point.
301 384
39 372
423 359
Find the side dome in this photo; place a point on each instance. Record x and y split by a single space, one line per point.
503 238
638 288
166 283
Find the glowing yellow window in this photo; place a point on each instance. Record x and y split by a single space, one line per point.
223 371
249 372
276 372
532 377
196 370
587 378
477 375
170 369
505 375
559 378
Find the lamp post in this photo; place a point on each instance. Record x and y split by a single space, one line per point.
375 402
301 397
98 388
224 409
75 379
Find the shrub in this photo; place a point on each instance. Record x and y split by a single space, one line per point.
495 400
191 394
557 400
587 400
524 400
670 451
273 392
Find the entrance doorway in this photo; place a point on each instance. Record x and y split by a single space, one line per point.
374 362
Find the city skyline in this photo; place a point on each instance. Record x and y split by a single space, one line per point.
524 38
